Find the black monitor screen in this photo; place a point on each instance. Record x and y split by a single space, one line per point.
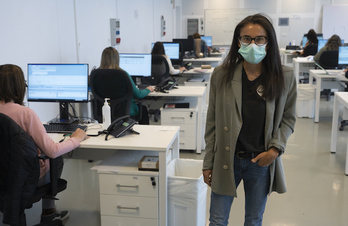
343 56
58 82
187 44
208 40
172 50
136 64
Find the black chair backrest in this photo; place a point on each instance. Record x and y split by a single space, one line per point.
114 84
159 69
19 169
329 59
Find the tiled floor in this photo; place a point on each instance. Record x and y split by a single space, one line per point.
317 186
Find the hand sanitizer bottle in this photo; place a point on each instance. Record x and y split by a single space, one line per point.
106 114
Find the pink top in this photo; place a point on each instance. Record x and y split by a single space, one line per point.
30 122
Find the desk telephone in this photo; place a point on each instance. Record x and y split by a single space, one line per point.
166 84
121 127
188 66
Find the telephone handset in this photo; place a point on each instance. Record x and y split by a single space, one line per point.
121 127
166 84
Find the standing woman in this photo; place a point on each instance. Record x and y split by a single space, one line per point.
251 115
110 59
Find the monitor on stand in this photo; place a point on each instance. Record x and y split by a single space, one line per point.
137 65
63 83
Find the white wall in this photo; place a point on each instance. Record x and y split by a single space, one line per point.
76 31
303 15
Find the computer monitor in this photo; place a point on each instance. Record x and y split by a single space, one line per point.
61 83
136 64
208 40
343 56
304 40
186 43
322 43
172 49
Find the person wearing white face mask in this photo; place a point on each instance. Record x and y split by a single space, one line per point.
251 114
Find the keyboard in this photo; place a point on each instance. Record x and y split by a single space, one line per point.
63 128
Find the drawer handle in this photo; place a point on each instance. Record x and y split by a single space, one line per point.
177 117
126 186
127 208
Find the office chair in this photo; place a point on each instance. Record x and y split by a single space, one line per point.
159 69
114 84
20 172
328 60
159 72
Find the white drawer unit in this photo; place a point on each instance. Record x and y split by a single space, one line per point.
186 118
126 221
127 196
128 185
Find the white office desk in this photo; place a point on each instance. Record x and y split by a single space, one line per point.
286 57
323 81
163 140
213 61
198 92
341 98
301 64
198 73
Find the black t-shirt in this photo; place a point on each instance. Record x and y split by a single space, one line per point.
252 135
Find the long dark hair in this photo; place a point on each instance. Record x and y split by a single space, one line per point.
12 84
334 42
273 82
312 37
158 49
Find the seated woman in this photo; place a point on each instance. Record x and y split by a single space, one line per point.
158 49
332 44
12 91
110 59
311 46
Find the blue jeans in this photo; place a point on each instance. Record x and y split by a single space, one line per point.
256 186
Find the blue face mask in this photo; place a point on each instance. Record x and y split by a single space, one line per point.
253 53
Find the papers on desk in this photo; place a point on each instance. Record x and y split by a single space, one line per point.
196 80
201 70
304 59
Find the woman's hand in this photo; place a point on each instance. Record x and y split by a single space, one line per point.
151 88
79 134
208 176
182 69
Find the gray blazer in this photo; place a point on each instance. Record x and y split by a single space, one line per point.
224 121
